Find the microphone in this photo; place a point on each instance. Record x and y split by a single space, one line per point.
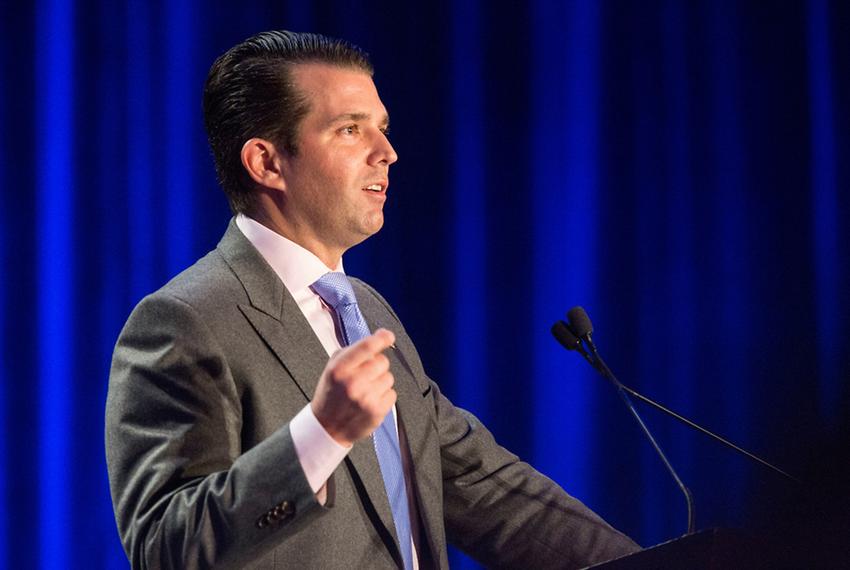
580 328
581 322
562 333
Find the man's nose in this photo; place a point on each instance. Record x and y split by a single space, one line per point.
384 151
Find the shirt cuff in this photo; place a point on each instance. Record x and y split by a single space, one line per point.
317 451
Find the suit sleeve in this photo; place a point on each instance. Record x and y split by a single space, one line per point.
506 514
185 493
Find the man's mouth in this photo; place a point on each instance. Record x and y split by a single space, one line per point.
378 187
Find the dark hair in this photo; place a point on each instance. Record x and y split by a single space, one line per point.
249 93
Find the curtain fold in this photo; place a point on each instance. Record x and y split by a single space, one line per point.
680 169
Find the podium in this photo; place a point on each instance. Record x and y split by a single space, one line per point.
712 549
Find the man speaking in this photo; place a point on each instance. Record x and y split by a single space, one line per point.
267 411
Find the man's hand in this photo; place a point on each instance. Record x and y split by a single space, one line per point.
355 391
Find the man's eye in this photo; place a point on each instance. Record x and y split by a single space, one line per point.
386 131
348 130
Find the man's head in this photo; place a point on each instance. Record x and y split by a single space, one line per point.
250 92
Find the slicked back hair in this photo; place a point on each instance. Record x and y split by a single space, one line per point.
250 93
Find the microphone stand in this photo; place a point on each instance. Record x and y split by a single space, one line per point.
704 431
580 329
599 364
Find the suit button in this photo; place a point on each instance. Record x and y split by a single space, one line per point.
276 514
283 510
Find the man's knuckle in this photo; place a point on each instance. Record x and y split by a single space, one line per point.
350 389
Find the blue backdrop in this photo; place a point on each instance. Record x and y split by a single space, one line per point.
678 168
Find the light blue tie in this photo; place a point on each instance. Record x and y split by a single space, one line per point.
335 289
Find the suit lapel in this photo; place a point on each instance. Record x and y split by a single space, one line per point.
273 312
423 445
294 344
277 319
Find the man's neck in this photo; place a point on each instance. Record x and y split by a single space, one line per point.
276 223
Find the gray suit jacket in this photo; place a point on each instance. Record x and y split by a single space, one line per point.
206 375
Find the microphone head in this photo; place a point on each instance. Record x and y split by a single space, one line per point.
580 322
565 336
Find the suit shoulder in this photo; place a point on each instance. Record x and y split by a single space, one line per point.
205 294
208 281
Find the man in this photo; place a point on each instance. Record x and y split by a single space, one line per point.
264 410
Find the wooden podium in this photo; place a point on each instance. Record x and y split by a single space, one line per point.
712 549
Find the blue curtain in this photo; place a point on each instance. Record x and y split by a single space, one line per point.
678 168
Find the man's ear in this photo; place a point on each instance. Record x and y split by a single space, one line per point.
261 160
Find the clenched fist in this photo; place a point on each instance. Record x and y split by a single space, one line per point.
355 391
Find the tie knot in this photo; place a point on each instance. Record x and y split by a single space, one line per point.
335 289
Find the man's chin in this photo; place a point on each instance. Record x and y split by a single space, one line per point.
364 231
373 224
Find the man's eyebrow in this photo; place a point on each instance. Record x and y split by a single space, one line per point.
356 117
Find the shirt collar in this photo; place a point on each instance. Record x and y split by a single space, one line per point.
296 266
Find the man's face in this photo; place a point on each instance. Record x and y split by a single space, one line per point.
336 183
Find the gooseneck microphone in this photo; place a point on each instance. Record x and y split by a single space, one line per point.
579 329
583 320
570 337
